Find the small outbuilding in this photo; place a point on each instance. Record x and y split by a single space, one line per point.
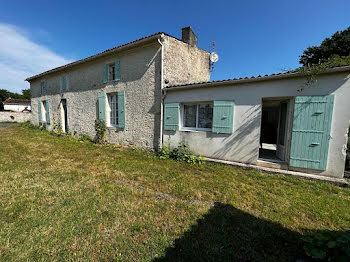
17 105
274 121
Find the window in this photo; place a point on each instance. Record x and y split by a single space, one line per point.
111 72
63 83
113 110
42 87
197 116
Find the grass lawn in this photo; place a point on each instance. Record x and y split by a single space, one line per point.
62 199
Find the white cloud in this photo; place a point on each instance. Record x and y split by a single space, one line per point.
20 58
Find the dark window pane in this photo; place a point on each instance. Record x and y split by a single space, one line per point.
205 115
111 70
190 115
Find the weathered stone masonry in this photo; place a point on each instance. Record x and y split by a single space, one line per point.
140 78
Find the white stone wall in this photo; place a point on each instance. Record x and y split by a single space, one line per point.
16 108
243 144
16 117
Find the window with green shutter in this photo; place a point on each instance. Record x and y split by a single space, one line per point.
197 116
116 109
63 83
43 87
47 111
116 70
111 72
121 109
39 113
223 117
102 106
171 116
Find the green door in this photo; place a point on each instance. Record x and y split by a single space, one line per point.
311 131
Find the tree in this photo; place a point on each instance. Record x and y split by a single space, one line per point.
26 94
4 94
337 45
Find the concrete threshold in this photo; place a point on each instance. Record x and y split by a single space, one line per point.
333 180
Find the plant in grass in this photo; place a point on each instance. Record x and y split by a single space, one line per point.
57 129
180 153
100 128
29 125
83 137
328 245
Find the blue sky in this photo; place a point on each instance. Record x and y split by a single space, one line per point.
252 37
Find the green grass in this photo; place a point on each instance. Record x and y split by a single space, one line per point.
67 200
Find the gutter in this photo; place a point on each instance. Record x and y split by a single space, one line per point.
251 79
160 41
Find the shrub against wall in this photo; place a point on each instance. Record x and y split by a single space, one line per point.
180 153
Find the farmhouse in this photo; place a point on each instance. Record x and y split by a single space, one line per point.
157 90
122 85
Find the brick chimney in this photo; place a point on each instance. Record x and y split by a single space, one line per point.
188 36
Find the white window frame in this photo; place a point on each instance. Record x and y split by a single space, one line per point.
109 110
113 75
183 127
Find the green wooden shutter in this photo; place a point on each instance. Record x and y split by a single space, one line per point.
47 109
121 109
117 71
39 113
105 73
223 117
45 87
311 131
171 116
102 106
63 83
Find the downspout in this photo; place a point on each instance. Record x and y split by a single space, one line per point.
160 40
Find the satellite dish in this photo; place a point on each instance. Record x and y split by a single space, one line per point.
214 57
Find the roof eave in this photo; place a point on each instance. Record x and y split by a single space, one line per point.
250 80
133 44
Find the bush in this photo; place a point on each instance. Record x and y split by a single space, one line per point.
328 246
85 138
57 129
180 153
29 125
100 128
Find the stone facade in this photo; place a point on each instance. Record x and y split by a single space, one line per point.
140 78
184 63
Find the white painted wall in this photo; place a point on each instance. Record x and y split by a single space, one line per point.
16 108
243 144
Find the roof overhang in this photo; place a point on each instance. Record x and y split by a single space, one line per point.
130 45
251 79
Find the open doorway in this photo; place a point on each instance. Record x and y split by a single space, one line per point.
64 116
274 135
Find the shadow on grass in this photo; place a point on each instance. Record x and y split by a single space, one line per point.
229 234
